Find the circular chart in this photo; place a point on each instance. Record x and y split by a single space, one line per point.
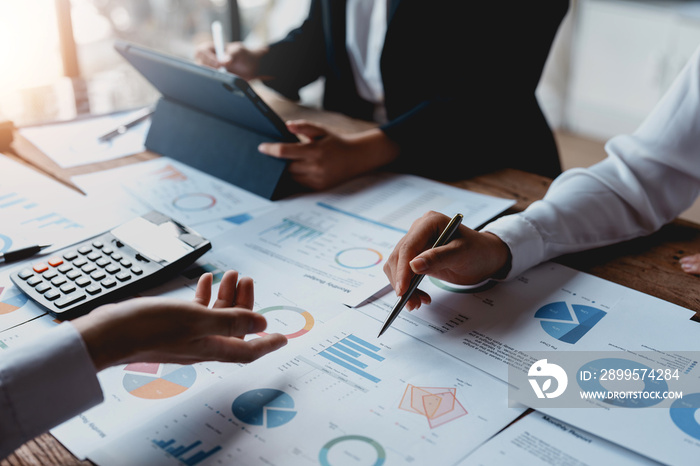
154 381
650 385
290 321
362 450
466 289
267 407
358 258
5 243
568 322
12 300
194 202
684 414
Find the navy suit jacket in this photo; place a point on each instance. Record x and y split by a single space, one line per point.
459 81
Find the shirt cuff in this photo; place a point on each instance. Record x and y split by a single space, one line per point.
45 382
522 238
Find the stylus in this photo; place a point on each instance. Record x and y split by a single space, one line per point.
443 239
217 33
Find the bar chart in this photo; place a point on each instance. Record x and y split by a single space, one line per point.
179 451
355 355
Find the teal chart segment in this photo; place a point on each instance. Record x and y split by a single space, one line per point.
323 456
683 413
568 323
266 407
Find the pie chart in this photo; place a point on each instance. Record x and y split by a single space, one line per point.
290 321
154 381
352 449
267 407
684 414
12 300
568 322
358 258
5 243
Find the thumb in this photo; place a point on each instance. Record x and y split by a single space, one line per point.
434 260
310 130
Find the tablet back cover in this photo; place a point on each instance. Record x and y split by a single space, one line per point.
214 146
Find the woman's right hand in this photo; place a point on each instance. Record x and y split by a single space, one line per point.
469 258
240 60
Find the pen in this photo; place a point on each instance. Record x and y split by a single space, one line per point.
19 254
217 33
443 239
121 129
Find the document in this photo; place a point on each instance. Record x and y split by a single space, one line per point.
554 310
540 440
345 397
666 430
397 200
341 239
35 209
76 142
548 308
174 189
135 393
15 307
28 330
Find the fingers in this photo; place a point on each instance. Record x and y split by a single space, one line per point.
236 350
233 323
435 260
308 132
691 264
227 290
202 293
206 55
312 131
249 351
285 150
419 238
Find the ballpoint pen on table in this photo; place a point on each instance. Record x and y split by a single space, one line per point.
443 239
19 254
121 129
217 33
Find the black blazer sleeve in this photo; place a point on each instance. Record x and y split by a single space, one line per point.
298 59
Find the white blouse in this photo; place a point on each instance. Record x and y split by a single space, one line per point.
647 180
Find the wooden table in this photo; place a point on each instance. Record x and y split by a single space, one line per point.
649 264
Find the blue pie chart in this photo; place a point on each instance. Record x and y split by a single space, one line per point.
266 407
5 243
558 321
682 413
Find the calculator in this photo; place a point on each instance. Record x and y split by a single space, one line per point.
126 260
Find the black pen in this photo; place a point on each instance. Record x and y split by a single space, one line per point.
121 129
19 254
443 239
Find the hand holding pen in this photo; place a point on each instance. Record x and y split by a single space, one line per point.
443 239
470 258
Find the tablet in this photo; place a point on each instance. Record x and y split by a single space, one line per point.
206 89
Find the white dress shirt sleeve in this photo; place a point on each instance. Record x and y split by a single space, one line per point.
647 180
43 383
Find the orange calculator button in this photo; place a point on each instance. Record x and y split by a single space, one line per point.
55 261
40 267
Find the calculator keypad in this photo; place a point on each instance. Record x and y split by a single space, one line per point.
78 274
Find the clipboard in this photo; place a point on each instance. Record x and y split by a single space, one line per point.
211 120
